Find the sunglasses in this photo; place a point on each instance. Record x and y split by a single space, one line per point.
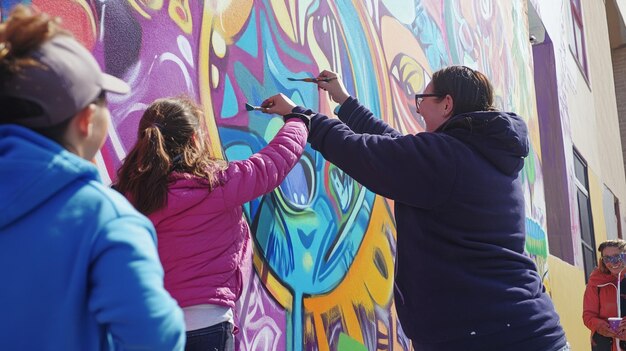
615 259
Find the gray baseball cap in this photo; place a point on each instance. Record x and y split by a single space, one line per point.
67 79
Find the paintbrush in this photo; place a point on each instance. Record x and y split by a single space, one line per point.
253 108
311 80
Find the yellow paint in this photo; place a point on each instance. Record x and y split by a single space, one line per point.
351 322
316 51
184 21
278 291
230 16
363 285
153 5
215 76
568 288
405 45
281 14
293 14
218 44
412 74
307 261
320 332
204 86
382 329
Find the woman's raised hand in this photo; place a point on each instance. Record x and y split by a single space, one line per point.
329 81
278 104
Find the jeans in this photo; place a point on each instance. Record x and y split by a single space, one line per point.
217 337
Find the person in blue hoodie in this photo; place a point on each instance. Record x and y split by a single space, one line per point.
79 268
462 280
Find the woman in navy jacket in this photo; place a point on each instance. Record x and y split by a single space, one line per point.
463 281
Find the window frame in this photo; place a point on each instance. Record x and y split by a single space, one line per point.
577 44
582 188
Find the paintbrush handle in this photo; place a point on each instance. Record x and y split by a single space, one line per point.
326 79
308 80
312 80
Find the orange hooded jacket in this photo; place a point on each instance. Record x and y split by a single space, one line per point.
600 299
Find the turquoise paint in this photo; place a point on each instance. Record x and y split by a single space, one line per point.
230 106
248 41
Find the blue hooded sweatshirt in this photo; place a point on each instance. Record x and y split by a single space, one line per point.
78 265
462 279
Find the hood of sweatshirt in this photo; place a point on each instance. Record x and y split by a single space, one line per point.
597 278
33 169
500 137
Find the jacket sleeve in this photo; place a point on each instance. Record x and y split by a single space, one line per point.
418 170
591 308
127 294
360 119
264 171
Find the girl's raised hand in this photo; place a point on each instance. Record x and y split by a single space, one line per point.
278 104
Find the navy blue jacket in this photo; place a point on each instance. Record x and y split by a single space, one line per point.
462 279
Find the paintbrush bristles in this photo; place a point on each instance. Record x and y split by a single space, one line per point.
253 108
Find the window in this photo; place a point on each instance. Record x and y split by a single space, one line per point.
610 206
584 215
577 42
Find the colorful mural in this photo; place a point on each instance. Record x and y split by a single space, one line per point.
324 245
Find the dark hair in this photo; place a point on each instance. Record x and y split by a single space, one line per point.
617 243
25 31
470 90
169 138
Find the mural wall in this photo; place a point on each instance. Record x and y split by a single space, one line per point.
324 245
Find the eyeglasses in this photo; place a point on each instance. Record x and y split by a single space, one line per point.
420 97
615 259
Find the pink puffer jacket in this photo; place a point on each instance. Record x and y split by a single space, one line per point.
203 237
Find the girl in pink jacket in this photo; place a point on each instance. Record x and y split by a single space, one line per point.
195 202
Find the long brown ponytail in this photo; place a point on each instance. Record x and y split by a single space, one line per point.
169 138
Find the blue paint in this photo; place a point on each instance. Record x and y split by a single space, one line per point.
7 5
305 93
364 72
295 188
230 106
430 38
534 230
272 27
248 40
238 152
